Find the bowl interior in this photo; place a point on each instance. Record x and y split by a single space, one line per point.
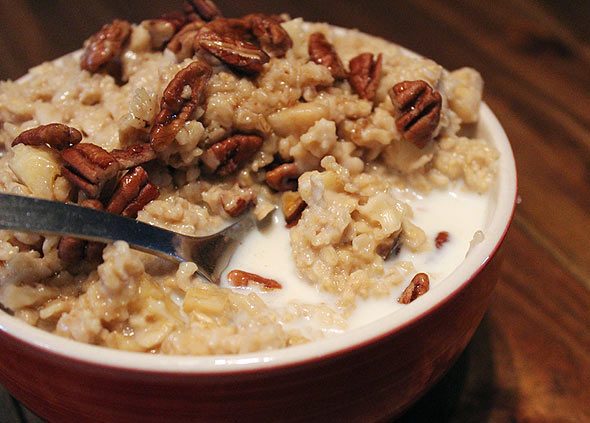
500 214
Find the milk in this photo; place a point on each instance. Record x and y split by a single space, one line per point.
267 252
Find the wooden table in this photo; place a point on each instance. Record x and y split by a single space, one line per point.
530 359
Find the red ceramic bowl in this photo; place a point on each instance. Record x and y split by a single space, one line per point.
366 374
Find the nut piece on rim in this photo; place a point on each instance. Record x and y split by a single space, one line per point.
323 53
419 110
227 156
417 287
56 135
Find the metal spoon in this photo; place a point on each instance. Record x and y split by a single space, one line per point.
210 253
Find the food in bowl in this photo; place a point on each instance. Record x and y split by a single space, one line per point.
190 120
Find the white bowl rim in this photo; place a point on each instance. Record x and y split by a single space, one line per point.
479 256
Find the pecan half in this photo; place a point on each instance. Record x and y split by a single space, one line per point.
56 135
365 73
292 205
241 56
132 193
270 34
71 250
162 29
175 110
419 110
241 278
323 53
182 43
441 238
417 287
206 9
89 167
225 157
134 155
236 205
283 177
391 245
106 45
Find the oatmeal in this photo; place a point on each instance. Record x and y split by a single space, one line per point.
192 119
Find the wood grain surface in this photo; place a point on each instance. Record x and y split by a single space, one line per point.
530 359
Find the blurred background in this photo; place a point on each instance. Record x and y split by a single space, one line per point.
529 361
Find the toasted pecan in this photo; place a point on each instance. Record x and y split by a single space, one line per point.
283 177
365 73
240 55
134 155
418 286
227 156
271 36
133 192
418 107
441 238
292 205
89 167
175 110
323 53
241 278
105 46
56 135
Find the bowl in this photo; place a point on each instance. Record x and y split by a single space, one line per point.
366 374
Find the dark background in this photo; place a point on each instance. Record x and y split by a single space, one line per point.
529 360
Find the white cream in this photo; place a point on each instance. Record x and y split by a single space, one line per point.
459 212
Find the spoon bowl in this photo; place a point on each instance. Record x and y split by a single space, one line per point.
210 253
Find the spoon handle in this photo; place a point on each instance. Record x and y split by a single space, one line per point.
28 214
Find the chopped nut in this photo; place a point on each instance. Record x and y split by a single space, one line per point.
176 110
292 205
390 246
132 193
365 74
89 167
417 287
441 238
323 53
206 9
236 205
283 177
225 157
134 155
241 278
419 110
105 46
70 250
55 135
240 55
270 34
